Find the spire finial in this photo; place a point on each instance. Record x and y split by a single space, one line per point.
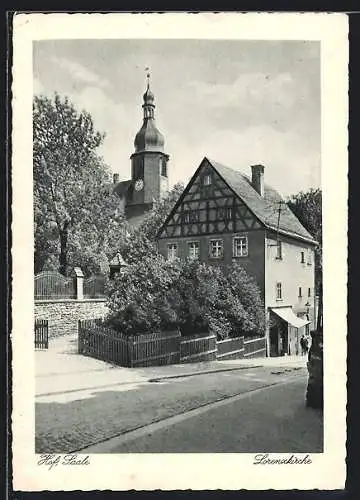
148 77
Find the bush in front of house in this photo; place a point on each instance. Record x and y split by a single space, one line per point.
195 295
248 316
154 294
139 296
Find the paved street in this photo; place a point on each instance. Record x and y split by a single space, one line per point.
94 414
269 420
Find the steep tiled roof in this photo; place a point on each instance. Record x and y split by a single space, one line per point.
265 208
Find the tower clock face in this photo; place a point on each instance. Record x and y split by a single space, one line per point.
139 184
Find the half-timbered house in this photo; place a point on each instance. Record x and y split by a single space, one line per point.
224 216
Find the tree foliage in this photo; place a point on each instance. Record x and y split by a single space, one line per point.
140 241
154 219
307 206
139 297
73 198
155 294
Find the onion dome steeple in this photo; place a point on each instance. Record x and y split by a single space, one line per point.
149 138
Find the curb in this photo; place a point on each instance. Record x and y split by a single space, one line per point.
159 379
156 379
193 374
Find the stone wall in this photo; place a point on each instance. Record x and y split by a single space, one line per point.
63 315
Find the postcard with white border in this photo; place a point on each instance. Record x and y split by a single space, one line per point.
179 248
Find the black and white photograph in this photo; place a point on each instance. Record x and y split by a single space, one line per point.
177 205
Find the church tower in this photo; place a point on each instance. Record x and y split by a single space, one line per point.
149 162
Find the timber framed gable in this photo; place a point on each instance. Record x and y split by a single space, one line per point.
207 206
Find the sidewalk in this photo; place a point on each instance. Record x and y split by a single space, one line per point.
61 370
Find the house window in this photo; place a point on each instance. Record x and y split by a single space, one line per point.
309 257
240 246
279 250
300 292
216 249
206 186
194 216
185 217
190 216
302 257
278 291
171 251
309 292
207 180
193 250
224 213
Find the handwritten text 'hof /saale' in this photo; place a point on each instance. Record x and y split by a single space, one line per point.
52 460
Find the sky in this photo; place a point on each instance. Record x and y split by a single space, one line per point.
237 102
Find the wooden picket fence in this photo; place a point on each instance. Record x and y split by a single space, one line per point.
255 347
132 351
200 347
165 348
230 348
41 337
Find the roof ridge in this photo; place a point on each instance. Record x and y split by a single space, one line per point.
262 206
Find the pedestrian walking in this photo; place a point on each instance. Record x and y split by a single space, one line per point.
304 344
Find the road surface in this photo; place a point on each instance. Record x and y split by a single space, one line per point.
273 419
242 411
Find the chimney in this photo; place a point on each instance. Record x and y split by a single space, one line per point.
116 178
257 178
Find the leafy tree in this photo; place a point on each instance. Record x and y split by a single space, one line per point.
195 295
137 242
155 294
307 206
153 219
138 298
251 321
73 198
